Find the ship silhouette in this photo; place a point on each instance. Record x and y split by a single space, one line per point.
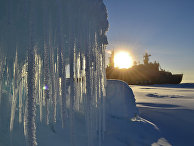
142 74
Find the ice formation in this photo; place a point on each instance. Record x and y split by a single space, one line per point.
52 61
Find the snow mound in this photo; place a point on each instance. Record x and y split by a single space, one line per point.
120 101
124 126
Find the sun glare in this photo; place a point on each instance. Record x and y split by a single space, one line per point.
123 60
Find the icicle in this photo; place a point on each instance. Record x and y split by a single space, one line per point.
13 107
46 80
40 94
40 102
78 34
72 89
62 62
104 90
46 87
31 107
63 94
53 84
56 85
15 92
25 120
20 102
88 97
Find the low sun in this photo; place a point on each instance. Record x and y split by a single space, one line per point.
123 60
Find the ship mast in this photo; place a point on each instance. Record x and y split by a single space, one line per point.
146 58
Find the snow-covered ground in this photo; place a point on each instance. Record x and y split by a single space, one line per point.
124 126
170 108
164 116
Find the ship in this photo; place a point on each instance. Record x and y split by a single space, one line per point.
147 73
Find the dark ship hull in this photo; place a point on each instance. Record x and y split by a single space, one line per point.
139 76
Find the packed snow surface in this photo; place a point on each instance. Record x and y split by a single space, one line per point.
171 108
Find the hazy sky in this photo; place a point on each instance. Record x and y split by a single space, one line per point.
163 28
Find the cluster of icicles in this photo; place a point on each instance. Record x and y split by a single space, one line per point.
53 61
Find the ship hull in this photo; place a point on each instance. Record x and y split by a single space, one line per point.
143 77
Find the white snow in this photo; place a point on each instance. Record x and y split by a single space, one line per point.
120 101
170 107
123 125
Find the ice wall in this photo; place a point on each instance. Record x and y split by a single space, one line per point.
52 64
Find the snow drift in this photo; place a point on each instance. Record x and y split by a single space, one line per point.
120 100
124 125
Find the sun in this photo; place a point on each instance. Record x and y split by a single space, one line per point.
123 60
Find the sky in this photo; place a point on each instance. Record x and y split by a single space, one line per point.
163 28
